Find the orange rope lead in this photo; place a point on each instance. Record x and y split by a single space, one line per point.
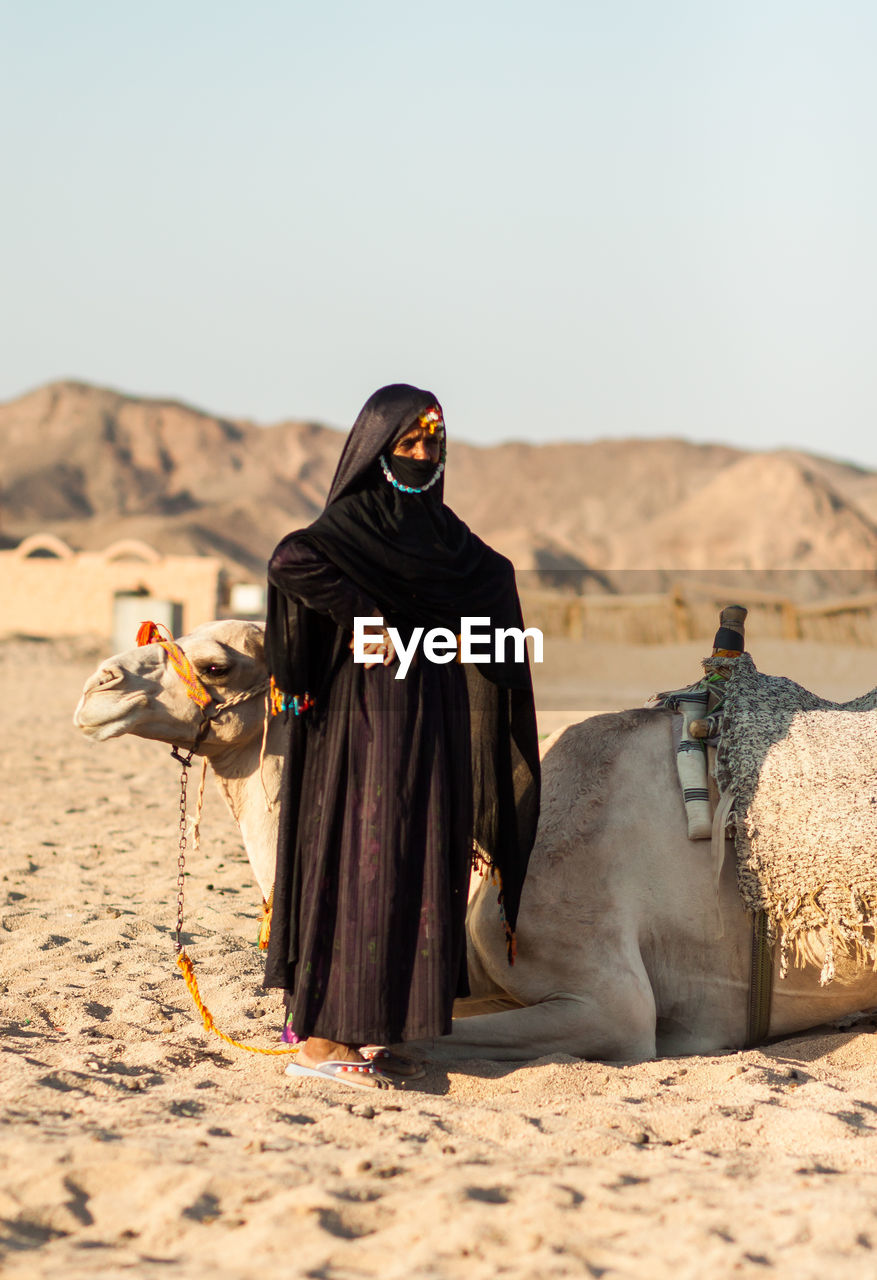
184 964
150 633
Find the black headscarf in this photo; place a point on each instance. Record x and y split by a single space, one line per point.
423 567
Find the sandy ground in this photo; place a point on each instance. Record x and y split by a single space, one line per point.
135 1143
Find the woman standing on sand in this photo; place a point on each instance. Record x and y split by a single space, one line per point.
390 783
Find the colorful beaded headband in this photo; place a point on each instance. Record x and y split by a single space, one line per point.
432 420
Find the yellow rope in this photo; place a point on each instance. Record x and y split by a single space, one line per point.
265 922
196 825
184 964
263 749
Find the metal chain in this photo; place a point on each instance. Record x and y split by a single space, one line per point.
185 761
184 964
181 858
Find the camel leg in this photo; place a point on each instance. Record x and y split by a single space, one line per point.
469 1006
615 1024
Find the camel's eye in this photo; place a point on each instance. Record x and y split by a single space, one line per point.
215 669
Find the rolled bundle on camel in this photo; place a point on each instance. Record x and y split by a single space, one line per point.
699 706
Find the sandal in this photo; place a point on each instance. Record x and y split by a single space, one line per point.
394 1064
344 1073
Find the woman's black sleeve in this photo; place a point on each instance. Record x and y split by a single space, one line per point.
302 573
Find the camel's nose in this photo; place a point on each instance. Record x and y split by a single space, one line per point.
104 678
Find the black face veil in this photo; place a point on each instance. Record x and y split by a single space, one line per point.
424 567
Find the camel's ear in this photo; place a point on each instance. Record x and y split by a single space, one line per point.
254 642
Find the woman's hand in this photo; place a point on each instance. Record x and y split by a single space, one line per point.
379 651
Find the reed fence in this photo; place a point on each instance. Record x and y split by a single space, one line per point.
683 614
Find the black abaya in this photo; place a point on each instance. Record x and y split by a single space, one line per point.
384 835
389 783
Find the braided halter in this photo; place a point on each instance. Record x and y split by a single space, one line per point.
151 633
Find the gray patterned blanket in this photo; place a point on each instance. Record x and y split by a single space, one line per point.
803 774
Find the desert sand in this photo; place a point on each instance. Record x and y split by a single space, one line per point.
135 1143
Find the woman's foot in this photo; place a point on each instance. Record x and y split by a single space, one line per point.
340 1062
316 1050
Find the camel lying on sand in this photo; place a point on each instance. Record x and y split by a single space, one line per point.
632 942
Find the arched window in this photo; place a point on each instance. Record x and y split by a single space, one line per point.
132 549
44 546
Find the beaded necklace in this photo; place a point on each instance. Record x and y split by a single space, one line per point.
407 488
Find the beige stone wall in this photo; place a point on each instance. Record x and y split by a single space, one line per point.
70 593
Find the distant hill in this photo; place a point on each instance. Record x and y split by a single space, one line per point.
94 465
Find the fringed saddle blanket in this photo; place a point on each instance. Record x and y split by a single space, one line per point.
803 775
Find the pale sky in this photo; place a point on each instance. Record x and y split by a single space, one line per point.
569 219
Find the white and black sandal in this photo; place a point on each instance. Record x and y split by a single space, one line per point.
397 1065
349 1073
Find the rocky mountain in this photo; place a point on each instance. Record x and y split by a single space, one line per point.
94 465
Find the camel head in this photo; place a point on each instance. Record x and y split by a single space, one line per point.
139 692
